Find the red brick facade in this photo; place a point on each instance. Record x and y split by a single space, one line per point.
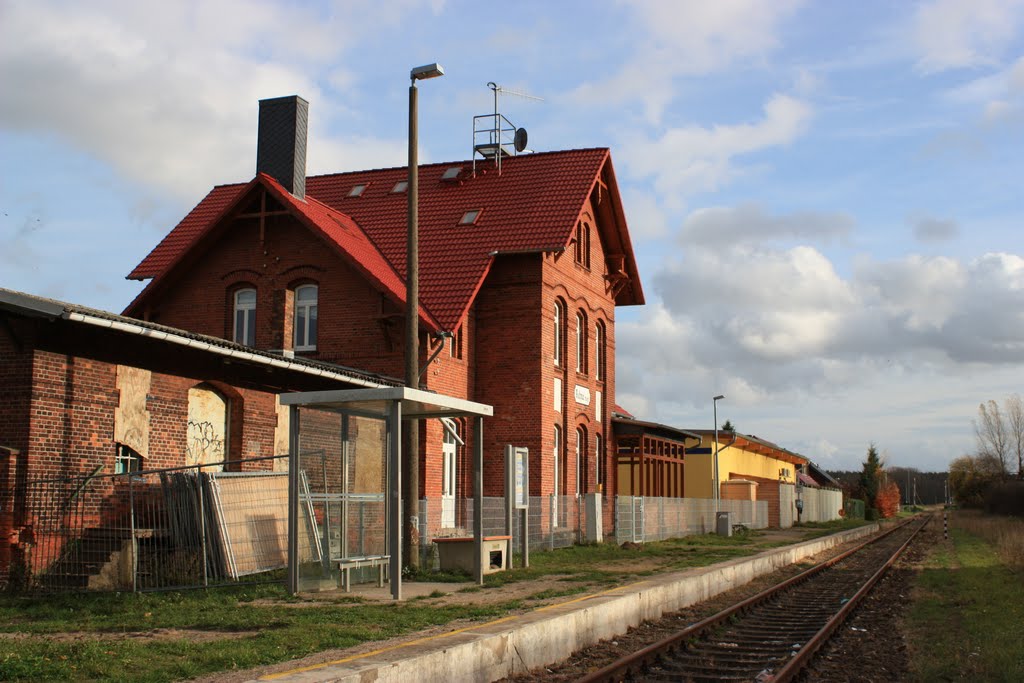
503 352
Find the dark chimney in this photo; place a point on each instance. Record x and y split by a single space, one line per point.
281 148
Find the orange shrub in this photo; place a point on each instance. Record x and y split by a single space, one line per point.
888 500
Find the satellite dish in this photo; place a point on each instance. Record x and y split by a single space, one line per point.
520 139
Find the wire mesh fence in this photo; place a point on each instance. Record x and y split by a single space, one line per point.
553 522
198 526
641 519
151 530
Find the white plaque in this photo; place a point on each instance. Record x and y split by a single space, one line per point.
582 395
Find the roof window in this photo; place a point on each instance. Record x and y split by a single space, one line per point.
357 190
452 173
400 186
469 218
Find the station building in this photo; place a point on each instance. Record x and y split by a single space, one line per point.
522 265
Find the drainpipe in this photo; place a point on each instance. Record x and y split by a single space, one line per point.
442 336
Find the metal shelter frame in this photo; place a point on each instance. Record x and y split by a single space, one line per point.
393 405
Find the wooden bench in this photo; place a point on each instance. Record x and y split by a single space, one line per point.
347 564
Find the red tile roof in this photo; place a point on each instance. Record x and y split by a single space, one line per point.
532 206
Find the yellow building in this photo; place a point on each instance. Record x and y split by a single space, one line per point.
748 468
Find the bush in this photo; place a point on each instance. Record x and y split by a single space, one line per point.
1005 498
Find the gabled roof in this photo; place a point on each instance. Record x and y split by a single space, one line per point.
532 206
335 228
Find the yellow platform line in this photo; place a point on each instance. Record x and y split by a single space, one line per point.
425 639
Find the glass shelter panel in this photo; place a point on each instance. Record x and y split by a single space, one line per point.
342 503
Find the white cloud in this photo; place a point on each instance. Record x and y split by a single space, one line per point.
693 159
734 310
809 352
167 93
952 34
686 38
647 219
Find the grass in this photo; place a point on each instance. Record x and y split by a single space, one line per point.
965 621
109 636
1006 534
246 629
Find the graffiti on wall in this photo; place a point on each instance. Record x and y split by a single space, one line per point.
207 427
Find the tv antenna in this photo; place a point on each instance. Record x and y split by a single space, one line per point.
494 136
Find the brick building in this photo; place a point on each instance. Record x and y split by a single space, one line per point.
521 268
85 393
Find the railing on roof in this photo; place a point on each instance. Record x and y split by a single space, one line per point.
494 137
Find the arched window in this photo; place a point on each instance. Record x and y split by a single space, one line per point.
208 428
598 457
556 488
581 342
245 317
581 456
582 252
306 317
449 470
599 351
558 333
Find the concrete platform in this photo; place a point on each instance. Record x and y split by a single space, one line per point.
516 644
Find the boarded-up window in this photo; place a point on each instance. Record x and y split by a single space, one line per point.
207 427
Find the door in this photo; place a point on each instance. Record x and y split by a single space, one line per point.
448 460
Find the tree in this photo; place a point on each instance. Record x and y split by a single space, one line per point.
992 434
727 427
1015 423
971 476
868 484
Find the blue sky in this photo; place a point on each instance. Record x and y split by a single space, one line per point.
824 197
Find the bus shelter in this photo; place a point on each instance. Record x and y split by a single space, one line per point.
345 456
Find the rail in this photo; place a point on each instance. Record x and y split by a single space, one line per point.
764 638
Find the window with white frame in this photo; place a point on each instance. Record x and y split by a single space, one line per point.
558 333
599 351
598 457
306 317
245 317
556 489
581 456
582 251
581 342
126 459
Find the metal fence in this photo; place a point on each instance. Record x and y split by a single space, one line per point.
198 526
553 522
641 519
159 529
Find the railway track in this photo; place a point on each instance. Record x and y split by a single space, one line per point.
771 636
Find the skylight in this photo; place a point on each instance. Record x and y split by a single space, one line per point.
401 186
469 218
357 190
452 173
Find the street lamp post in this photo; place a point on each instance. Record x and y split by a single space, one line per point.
411 541
714 403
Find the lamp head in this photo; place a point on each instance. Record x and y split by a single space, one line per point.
426 71
718 398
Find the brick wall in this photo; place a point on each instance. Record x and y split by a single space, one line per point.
507 340
199 297
15 392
